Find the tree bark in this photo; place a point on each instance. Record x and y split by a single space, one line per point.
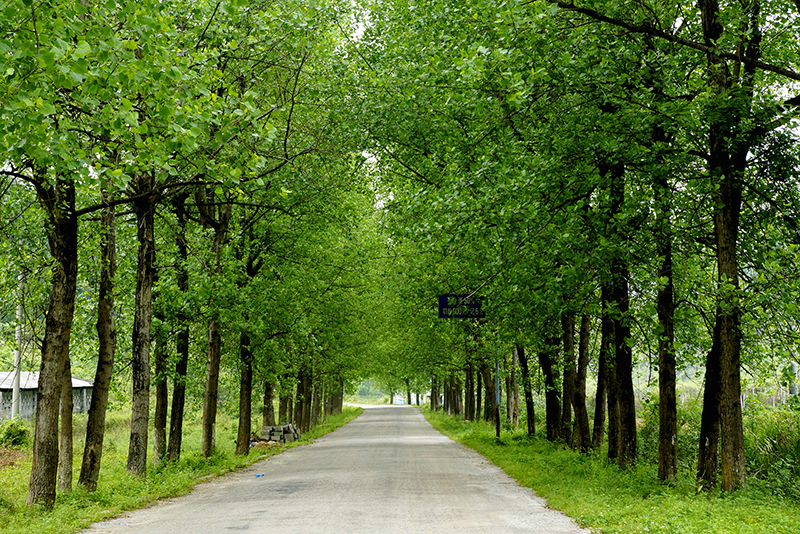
729 146
245 394
107 348
489 392
583 439
568 379
144 209
469 392
182 335
513 388
665 305
623 357
708 454
65 450
530 413
218 221
268 415
62 233
478 394
552 396
599 424
162 395
612 388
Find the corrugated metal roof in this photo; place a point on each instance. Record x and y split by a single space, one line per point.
31 381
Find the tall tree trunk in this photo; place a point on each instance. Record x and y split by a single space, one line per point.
218 220
245 394
708 454
285 402
162 395
140 354
489 392
182 335
62 233
552 397
469 392
434 394
612 388
107 348
665 305
583 439
478 394
599 426
526 387
268 415
568 380
623 357
729 145
408 392
65 451
513 390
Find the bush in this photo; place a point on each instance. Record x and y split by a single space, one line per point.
13 433
772 448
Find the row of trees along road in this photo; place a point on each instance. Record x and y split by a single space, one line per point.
625 168
183 163
216 174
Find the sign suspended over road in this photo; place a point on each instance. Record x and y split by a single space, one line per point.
461 306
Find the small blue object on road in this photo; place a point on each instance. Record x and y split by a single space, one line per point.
259 476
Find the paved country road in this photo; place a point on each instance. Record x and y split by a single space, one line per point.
386 472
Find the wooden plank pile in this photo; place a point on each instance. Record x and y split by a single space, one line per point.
284 433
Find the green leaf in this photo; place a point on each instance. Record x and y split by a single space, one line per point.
82 50
48 109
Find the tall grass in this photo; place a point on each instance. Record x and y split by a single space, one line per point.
118 491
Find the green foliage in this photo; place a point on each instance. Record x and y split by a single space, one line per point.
772 445
14 433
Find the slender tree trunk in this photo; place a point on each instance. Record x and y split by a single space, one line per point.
140 355
182 336
59 201
65 450
478 394
729 145
623 357
268 415
107 348
218 220
162 395
408 392
665 305
245 395
708 455
607 353
583 439
568 380
526 387
552 399
469 392
283 406
489 390
514 390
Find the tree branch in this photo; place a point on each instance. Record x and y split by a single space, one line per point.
655 32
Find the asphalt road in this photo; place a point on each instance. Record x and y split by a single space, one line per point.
386 472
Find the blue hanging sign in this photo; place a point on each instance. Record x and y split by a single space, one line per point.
461 306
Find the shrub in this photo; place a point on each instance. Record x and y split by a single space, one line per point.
13 433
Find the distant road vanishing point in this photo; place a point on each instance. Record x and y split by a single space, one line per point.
387 472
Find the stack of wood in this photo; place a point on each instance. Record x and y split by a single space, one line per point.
285 433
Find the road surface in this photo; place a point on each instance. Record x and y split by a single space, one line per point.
387 472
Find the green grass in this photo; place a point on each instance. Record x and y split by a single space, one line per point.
601 497
118 491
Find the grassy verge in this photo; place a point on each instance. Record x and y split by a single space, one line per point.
118 491
607 501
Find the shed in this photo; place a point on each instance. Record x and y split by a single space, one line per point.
28 384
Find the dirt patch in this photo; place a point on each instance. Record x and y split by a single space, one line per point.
9 457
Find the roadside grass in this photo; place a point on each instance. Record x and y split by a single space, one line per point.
117 491
606 500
